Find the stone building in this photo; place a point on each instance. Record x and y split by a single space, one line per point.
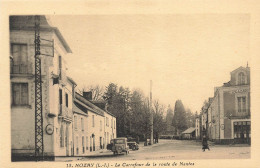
57 89
229 116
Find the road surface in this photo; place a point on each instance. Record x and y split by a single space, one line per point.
172 149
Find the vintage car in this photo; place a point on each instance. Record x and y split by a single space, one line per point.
118 146
133 145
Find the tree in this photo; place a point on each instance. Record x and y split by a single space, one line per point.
179 118
190 117
169 119
118 104
133 112
158 123
97 91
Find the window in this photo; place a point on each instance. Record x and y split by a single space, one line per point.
114 124
67 100
60 95
100 125
83 145
60 62
77 145
241 103
242 129
66 135
90 144
111 123
20 93
241 78
61 136
93 121
107 122
86 143
20 60
82 124
76 122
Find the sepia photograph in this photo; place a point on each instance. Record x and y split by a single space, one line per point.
130 89
93 103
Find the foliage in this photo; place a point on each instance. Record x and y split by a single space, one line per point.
169 118
132 111
179 118
182 118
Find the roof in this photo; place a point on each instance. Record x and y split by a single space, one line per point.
240 68
189 130
88 104
71 80
91 105
27 22
77 108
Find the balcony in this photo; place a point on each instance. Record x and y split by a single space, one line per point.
65 113
24 69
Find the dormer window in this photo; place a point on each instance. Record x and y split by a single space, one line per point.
241 78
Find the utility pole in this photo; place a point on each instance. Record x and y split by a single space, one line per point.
38 94
39 148
151 113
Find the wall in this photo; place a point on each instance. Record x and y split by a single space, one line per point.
22 118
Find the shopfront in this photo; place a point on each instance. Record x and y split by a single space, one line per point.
242 131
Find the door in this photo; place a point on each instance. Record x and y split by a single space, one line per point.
100 142
93 142
67 140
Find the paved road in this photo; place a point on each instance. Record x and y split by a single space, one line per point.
173 149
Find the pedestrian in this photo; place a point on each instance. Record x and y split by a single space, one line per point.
205 143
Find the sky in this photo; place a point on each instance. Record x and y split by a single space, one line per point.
185 56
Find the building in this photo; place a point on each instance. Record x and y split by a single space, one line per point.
197 127
189 133
229 118
57 90
93 127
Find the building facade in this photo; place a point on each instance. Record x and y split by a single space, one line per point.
72 125
93 127
197 127
229 116
56 111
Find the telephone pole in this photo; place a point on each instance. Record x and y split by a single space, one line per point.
151 113
38 94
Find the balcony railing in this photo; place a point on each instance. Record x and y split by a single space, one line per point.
21 68
65 112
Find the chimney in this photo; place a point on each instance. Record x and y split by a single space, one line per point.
87 95
101 104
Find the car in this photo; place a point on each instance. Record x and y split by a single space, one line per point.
118 146
133 145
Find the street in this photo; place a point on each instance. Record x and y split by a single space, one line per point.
172 149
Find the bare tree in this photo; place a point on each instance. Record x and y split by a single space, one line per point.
97 91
